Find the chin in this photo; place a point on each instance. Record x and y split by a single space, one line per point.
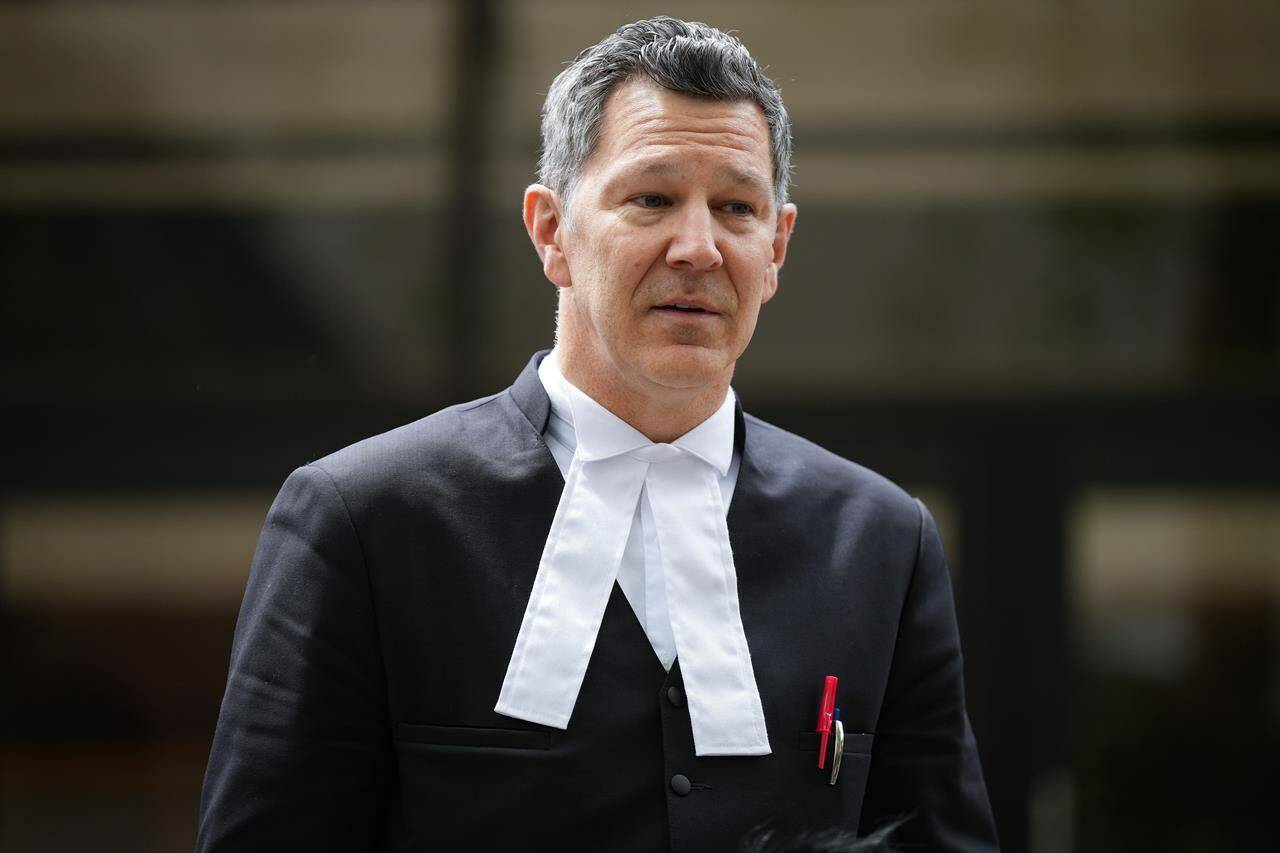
685 366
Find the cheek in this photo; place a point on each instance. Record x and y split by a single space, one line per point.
751 273
616 256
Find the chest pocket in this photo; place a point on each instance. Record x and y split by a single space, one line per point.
817 802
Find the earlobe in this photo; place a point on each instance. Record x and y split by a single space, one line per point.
542 219
770 284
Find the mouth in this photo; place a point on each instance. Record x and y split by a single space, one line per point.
690 309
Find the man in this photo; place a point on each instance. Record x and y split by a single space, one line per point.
598 609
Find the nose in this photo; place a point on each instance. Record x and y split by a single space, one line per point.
693 247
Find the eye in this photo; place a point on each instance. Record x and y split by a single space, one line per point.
650 201
739 208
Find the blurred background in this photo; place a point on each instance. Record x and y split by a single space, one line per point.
1036 279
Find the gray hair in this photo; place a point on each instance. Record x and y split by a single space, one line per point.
685 57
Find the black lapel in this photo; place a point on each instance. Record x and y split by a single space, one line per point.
752 536
531 398
747 517
531 461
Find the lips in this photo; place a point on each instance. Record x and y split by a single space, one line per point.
692 308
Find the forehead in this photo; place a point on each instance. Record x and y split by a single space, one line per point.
646 124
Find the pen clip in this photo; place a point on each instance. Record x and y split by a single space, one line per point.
839 747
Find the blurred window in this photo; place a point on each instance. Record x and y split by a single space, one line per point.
1176 600
117 617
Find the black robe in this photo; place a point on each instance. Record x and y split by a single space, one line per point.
384 601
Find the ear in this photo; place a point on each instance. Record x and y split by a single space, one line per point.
543 218
781 236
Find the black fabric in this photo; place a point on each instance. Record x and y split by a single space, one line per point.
384 602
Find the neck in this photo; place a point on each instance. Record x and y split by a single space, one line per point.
660 413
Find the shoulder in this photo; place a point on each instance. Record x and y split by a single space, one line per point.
451 439
797 465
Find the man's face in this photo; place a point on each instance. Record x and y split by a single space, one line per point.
673 242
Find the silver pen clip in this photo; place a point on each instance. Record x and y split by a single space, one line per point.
839 748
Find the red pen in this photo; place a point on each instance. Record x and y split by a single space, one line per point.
825 712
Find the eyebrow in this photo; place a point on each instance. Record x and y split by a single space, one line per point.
666 168
741 177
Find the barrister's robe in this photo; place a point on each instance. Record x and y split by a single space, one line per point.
384 601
